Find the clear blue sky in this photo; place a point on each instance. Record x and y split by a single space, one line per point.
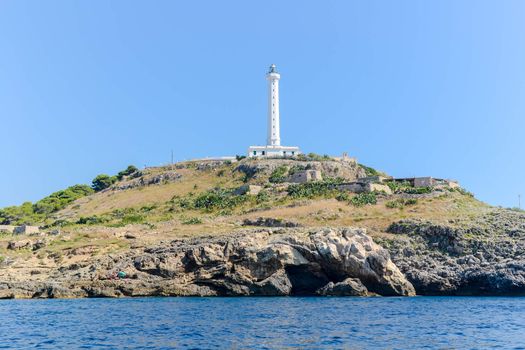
409 87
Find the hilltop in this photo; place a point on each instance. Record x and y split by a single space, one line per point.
142 224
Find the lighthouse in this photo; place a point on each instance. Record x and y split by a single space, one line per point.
273 146
274 137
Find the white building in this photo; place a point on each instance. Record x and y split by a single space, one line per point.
273 146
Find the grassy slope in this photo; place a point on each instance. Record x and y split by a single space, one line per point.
156 218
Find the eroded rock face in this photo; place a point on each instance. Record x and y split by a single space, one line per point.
329 168
482 258
254 262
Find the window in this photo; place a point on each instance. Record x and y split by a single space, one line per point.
263 153
293 153
254 153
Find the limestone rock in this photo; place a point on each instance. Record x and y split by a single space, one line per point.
265 261
483 257
348 287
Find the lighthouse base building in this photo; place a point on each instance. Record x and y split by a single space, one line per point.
273 146
273 151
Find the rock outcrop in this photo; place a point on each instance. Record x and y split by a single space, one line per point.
262 168
254 262
483 258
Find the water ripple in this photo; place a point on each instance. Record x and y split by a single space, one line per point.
264 323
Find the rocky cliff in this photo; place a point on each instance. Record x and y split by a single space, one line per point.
254 262
483 257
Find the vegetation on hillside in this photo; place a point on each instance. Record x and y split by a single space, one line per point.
279 174
29 213
103 181
370 171
205 192
37 213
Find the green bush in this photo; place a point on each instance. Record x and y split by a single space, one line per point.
192 221
363 199
314 189
91 220
400 203
370 171
296 168
132 219
30 214
343 197
103 181
313 157
406 187
131 169
418 190
20 215
218 199
61 199
262 197
279 174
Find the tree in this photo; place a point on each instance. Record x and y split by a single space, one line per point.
128 171
102 181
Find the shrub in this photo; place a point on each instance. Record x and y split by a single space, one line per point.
418 190
131 169
217 199
279 174
132 219
262 197
400 203
91 220
102 181
370 171
61 199
406 187
192 221
398 187
296 168
29 213
313 189
19 215
343 197
238 157
363 199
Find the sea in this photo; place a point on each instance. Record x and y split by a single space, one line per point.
265 323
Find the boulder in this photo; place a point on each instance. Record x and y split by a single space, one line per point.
348 287
14 245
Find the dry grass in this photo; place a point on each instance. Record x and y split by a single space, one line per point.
162 224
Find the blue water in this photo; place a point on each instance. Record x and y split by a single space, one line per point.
264 323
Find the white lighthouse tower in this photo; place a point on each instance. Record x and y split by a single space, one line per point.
273 146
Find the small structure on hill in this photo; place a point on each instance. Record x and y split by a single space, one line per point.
248 189
273 146
303 176
363 186
20 230
427 181
7 228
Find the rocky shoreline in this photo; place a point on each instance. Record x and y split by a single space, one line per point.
258 262
486 257
439 259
